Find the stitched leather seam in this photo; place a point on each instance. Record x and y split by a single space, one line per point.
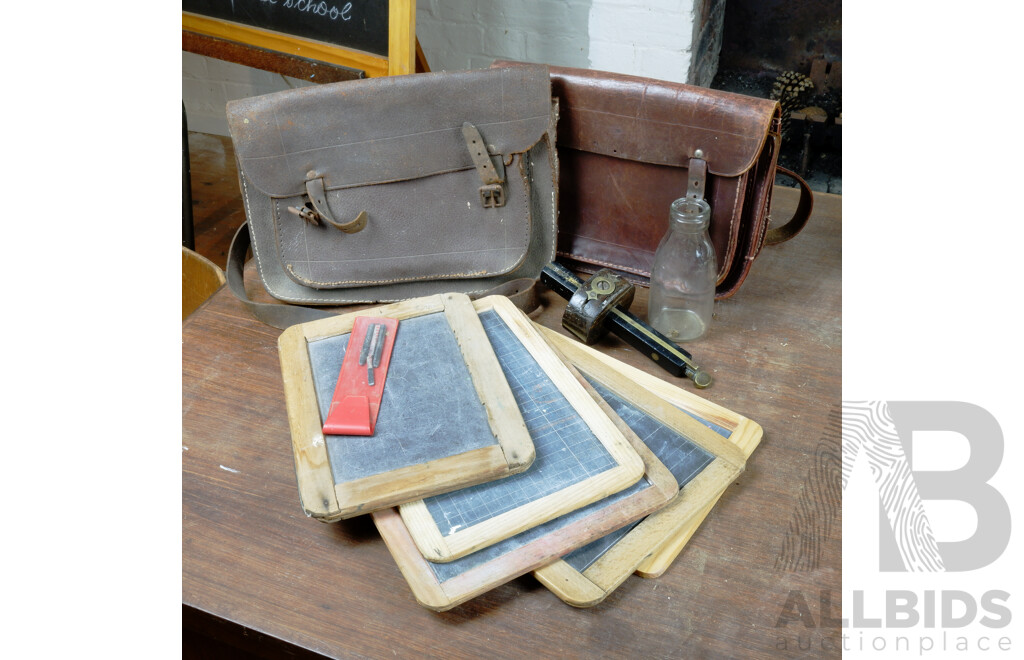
256 254
727 258
419 278
522 250
394 137
335 298
644 120
618 245
628 269
765 220
255 250
756 143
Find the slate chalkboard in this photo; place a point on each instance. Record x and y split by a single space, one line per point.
704 456
409 430
567 451
357 25
441 586
581 455
683 458
443 375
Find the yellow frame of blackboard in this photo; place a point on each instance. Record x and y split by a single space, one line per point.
327 501
401 57
651 546
628 469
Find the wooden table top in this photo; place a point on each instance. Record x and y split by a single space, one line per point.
258 574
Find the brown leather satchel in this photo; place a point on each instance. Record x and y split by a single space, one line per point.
392 188
629 146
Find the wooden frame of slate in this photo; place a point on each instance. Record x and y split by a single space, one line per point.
413 452
742 432
441 586
670 419
582 456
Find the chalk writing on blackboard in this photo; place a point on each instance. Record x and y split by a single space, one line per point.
312 7
360 26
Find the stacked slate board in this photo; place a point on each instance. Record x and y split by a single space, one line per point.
504 448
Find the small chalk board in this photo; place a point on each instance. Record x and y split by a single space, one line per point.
582 456
372 38
441 586
447 419
704 456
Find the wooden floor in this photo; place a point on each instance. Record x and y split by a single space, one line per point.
216 199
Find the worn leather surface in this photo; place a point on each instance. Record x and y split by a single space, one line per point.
624 144
394 148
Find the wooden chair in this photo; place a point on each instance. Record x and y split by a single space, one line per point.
200 277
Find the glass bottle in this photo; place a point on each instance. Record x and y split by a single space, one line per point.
684 273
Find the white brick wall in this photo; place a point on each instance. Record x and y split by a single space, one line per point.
651 39
467 34
207 84
654 39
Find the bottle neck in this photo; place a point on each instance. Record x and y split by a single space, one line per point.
689 215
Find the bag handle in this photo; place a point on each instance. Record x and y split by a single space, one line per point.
803 212
522 291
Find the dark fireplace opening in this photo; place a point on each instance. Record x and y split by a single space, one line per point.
792 52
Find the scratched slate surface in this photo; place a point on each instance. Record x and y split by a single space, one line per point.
428 394
448 570
683 458
567 452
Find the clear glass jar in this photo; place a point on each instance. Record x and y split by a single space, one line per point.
684 273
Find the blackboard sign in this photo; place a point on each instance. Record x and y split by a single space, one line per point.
316 40
359 24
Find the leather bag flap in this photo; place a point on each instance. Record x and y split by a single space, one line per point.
386 129
658 122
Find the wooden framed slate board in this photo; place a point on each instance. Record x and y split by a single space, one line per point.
443 376
582 456
441 586
704 445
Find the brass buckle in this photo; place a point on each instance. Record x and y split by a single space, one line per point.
307 213
492 195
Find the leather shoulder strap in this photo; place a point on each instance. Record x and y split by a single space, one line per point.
277 315
799 219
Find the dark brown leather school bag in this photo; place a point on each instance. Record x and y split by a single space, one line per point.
629 146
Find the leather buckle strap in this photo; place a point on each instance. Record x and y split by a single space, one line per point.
697 171
317 208
492 193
